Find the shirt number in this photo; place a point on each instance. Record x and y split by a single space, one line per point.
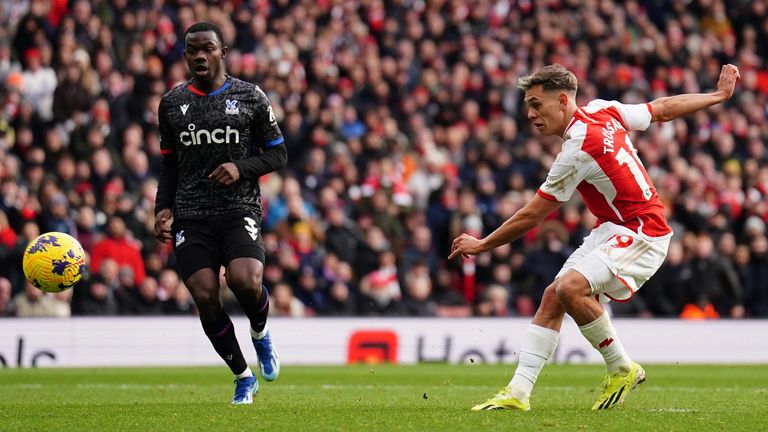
626 158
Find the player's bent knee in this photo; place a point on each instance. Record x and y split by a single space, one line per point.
572 285
550 306
244 281
550 300
245 275
203 286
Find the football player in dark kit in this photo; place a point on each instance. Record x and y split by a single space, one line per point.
218 136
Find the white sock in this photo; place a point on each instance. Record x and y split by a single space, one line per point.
244 374
601 334
259 335
538 345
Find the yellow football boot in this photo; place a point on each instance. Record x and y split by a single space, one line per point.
616 386
503 400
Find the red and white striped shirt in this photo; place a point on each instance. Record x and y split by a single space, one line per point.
599 160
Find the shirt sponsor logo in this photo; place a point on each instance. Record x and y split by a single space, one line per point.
192 136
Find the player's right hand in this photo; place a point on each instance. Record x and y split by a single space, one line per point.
729 74
465 245
163 225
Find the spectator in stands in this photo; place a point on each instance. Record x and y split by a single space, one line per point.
86 228
756 288
7 63
95 298
380 289
39 83
713 281
418 299
8 241
29 231
309 291
340 301
547 257
35 303
283 302
444 293
342 237
57 217
147 301
419 249
118 246
127 291
109 272
494 302
5 297
368 253
167 283
70 96
524 283
179 301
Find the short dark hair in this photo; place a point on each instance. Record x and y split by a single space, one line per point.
204 27
552 77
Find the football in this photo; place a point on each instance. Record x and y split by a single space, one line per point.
54 262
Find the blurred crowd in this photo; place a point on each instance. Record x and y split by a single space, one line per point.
404 128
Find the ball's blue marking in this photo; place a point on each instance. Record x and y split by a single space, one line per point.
59 266
43 242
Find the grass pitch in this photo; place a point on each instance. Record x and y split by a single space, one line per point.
433 397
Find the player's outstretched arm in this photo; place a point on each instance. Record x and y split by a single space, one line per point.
672 107
512 229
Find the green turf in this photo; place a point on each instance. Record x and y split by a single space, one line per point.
377 398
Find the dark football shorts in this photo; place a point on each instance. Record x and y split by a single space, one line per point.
213 241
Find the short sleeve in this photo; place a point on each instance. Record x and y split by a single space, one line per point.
632 116
167 142
265 123
635 116
565 174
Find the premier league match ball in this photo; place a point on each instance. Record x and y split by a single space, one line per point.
54 262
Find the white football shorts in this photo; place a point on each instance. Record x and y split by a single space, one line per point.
617 261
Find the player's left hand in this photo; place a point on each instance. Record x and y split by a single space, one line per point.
729 74
465 245
225 174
